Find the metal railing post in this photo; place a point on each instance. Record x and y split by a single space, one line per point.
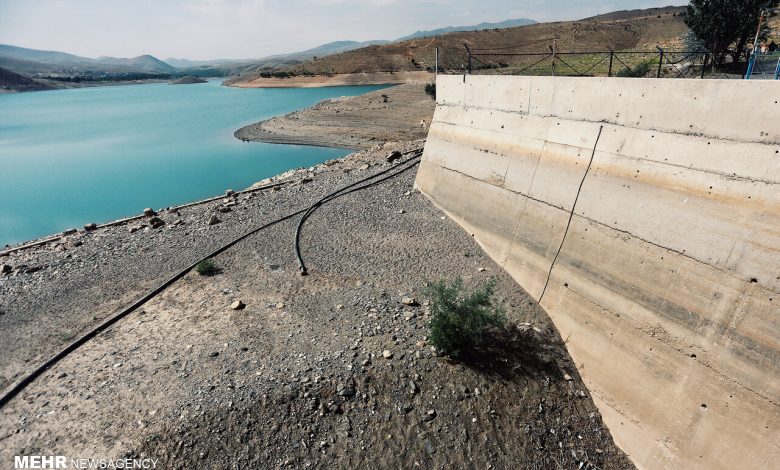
468 51
660 61
751 63
777 70
611 55
552 50
704 65
436 64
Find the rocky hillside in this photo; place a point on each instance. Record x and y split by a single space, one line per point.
636 29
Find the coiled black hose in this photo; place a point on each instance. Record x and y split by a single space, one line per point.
416 153
38 371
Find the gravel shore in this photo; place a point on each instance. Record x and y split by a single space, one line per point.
330 370
399 113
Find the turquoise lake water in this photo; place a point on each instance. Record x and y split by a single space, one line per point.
70 157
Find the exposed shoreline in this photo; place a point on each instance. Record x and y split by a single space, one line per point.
402 112
341 79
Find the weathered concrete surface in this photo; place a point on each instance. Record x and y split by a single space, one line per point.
666 284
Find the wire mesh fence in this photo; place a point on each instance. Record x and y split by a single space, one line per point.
764 65
659 63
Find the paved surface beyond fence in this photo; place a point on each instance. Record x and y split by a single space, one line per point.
645 216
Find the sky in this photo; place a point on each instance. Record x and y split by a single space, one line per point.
234 29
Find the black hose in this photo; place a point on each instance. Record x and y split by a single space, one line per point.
38 371
346 190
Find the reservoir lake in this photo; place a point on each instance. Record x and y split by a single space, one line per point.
71 157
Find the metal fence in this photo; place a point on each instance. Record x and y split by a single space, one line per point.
764 65
659 63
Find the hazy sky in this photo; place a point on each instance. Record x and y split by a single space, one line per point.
207 29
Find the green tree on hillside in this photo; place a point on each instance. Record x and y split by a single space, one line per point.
726 27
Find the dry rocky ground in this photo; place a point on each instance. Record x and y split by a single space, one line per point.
330 370
399 113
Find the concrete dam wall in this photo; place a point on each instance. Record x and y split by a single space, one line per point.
644 215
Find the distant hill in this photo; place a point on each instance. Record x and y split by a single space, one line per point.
53 63
277 61
11 82
476 27
637 14
144 63
638 29
182 63
44 57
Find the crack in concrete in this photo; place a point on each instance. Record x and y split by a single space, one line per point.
625 232
571 213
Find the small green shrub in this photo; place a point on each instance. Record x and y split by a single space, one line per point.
639 70
430 88
461 321
206 268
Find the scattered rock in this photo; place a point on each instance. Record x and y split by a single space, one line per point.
393 156
429 447
224 209
567 377
90 227
214 220
280 305
364 166
345 390
6 269
387 354
230 193
237 305
149 212
410 301
156 222
429 415
69 232
213 354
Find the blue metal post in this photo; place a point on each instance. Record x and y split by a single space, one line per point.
777 70
751 63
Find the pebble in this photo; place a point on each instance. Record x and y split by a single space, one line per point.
387 354
410 301
237 305
214 220
149 212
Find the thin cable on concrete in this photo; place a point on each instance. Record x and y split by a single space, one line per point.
38 371
571 214
346 190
